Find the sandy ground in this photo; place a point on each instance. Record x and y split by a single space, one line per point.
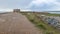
15 23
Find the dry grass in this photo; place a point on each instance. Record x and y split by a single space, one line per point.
47 29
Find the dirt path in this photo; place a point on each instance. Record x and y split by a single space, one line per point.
13 23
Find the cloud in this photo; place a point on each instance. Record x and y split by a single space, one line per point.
12 4
44 5
9 5
39 5
6 10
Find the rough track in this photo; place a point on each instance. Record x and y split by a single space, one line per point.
14 23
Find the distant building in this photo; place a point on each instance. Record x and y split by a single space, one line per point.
16 10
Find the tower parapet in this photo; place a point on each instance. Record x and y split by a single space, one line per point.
16 10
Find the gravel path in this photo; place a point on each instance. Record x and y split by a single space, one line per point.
14 23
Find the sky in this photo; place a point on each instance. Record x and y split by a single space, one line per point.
34 5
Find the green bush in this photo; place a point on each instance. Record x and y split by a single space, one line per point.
31 20
41 26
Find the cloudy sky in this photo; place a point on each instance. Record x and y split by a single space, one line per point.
35 5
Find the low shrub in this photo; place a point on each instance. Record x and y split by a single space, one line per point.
41 26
